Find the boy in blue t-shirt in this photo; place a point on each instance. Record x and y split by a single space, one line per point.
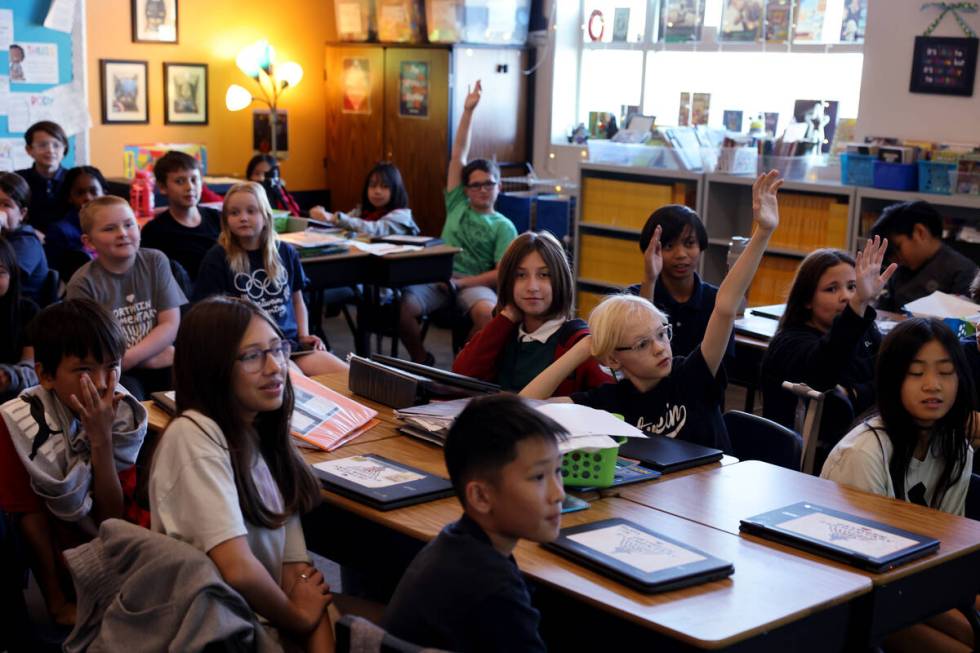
464 591
473 225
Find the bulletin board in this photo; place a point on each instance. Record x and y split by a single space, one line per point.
60 87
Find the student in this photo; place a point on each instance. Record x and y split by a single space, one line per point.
185 231
68 446
463 591
135 285
250 261
64 237
827 335
264 169
918 447
15 200
384 206
533 326
16 312
47 144
226 478
971 346
677 289
925 263
675 397
471 224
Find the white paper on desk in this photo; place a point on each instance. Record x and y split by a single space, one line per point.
941 305
308 239
368 472
61 15
6 28
581 420
636 548
40 64
380 249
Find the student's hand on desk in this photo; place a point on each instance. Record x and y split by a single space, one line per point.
869 279
96 409
321 214
473 97
653 260
312 341
765 206
310 597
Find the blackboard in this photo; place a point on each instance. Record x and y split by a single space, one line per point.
944 65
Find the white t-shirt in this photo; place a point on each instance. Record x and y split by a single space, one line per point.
193 496
860 460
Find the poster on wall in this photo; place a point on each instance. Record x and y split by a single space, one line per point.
356 82
154 21
6 28
413 89
185 93
262 133
33 63
125 98
944 65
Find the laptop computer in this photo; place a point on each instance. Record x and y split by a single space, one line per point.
668 455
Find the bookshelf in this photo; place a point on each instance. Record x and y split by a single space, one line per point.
614 203
812 215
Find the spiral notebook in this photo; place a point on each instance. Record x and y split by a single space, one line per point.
838 535
638 557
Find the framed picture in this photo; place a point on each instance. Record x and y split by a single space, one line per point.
125 97
154 21
185 93
944 65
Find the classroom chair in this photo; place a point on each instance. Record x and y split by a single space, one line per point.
973 498
822 419
757 438
50 291
358 635
70 262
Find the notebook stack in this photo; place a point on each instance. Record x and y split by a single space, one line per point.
431 422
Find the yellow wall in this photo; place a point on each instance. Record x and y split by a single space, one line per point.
212 32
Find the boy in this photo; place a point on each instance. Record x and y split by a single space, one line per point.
136 286
473 225
185 231
68 446
676 288
463 591
47 144
925 263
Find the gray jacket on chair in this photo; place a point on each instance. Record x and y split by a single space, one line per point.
140 590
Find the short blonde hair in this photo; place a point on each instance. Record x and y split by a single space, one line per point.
86 217
609 319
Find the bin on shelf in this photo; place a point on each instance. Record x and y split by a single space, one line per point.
645 156
936 177
857 169
793 168
896 176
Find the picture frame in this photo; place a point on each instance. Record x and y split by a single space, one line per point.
943 65
185 93
124 92
154 21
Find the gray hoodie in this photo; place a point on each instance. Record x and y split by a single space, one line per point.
55 451
394 223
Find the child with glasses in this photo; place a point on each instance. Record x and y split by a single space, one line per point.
675 397
226 477
251 262
473 225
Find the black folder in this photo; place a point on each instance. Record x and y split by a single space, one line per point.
638 557
668 455
841 536
374 481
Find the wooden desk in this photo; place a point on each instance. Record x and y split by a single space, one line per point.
721 497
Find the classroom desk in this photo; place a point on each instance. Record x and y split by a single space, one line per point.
719 498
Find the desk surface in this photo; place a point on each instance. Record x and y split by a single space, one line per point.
720 497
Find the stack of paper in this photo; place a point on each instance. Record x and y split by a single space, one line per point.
942 305
431 422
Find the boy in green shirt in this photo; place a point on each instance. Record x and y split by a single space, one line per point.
473 225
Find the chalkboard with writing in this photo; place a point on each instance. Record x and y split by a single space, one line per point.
944 65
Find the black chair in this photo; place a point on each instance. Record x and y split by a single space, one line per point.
758 438
358 634
973 498
70 261
50 291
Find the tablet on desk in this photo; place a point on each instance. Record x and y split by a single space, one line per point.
638 557
380 483
668 455
850 539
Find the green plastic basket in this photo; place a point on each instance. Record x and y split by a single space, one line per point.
590 468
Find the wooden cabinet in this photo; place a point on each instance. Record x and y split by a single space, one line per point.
362 131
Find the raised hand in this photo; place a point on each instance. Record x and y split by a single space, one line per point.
867 269
473 97
653 260
765 206
96 409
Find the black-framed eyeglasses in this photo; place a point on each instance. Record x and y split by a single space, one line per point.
482 185
254 359
663 334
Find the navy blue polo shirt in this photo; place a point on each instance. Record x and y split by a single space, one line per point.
44 208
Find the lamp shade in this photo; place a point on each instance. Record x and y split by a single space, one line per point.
289 73
255 57
237 98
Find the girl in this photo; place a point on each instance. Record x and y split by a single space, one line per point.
16 312
533 326
82 185
919 447
827 336
264 169
225 476
15 198
250 261
384 206
673 397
